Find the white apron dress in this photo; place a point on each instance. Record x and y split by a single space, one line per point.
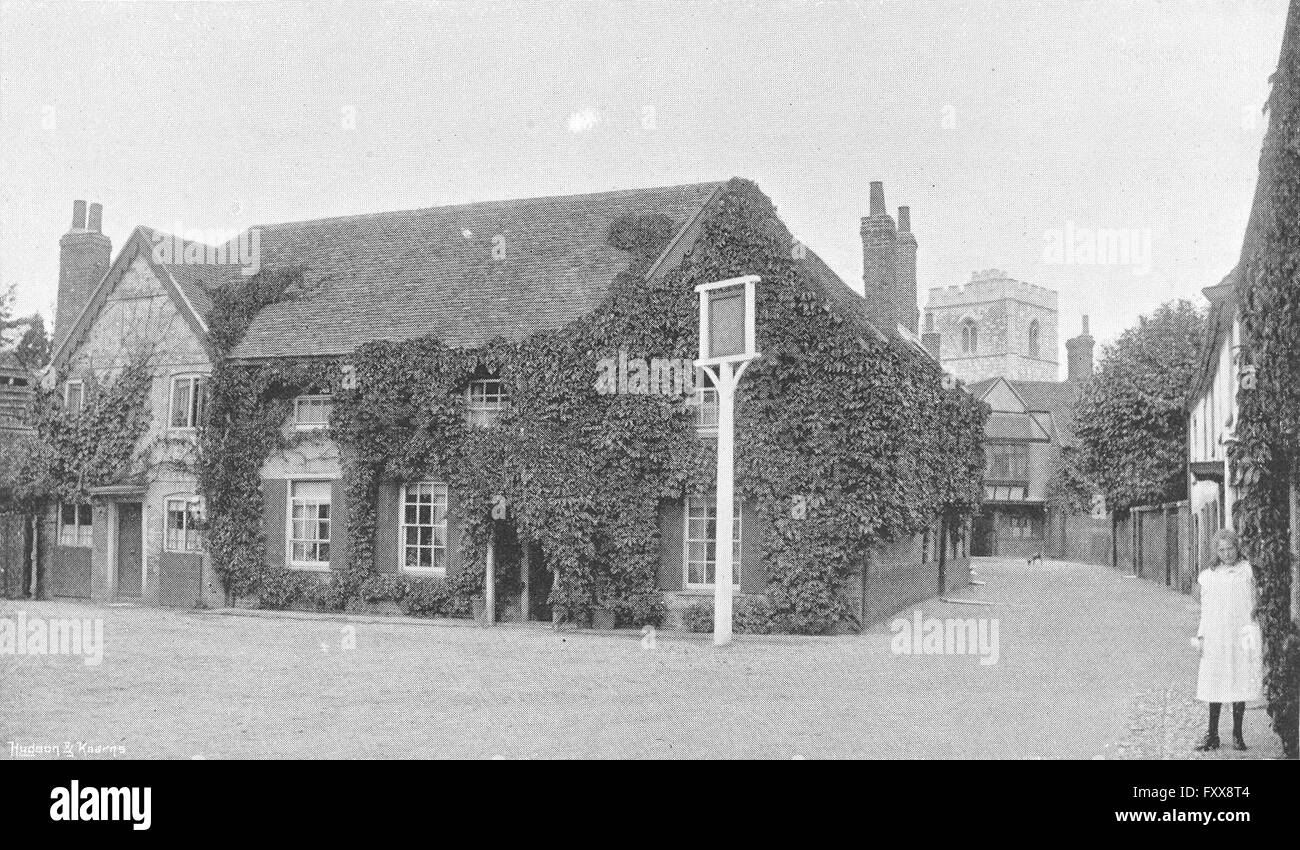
1232 659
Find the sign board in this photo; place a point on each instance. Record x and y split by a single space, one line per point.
727 321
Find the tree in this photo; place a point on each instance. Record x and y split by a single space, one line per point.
7 320
1130 418
35 347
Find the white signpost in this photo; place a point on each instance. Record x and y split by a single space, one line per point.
727 345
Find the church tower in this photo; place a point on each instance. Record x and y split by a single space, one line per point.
994 326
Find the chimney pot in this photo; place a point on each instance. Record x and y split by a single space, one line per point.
877 204
95 218
1085 325
78 215
904 219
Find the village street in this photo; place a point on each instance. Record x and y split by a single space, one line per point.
1090 664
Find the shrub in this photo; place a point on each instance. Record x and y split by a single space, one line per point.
644 609
384 587
698 617
280 588
748 617
426 597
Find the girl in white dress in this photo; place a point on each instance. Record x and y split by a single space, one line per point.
1229 639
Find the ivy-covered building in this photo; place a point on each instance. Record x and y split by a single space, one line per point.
119 418
1244 412
392 397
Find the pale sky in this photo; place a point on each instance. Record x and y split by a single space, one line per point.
997 122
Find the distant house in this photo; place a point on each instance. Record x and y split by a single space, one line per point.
1000 335
1030 423
389 276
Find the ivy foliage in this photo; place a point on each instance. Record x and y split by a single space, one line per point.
99 444
1131 418
1265 459
248 406
860 428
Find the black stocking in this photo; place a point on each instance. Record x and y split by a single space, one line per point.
1214 718
1238 714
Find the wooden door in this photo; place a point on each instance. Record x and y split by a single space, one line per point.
129 550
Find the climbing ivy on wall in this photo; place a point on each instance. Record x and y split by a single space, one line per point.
1266 456
97 445
861 429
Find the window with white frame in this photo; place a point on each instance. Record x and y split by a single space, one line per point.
970 340
700 542
182 531
74 396
486 401
188 398
312 411
309 524
75 525
424 528
705 403
706 410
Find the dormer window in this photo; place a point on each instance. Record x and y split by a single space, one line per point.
188 400
485 400
312 412
74 396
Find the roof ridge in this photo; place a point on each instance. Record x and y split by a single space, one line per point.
284 225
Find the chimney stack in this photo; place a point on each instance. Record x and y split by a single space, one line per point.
1079 354
84 253
909 315
880 262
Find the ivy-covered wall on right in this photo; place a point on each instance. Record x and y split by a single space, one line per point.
1266 456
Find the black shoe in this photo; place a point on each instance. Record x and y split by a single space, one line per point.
1237 742
1209 742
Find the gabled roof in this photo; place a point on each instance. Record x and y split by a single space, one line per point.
1218 323
415 273
1054 398
400 275
140 244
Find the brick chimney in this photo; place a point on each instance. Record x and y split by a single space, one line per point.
908 313
1079 353
880 262
84 253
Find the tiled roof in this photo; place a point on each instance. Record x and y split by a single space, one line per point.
400 275
197 283
1054 397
